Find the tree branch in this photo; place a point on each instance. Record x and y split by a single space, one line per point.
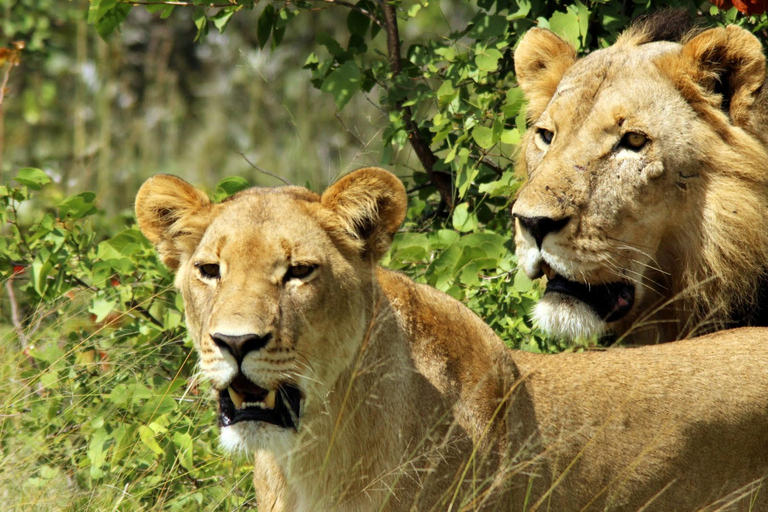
15 314
492 166
365 12
427 158
262 170
178 4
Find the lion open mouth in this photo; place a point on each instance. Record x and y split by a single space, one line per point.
610 301
245 401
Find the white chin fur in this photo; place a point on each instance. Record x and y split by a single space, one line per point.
563 316
246 437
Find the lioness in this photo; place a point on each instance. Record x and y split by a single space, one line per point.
359 390
646 203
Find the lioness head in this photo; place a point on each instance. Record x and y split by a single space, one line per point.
647 181
274 282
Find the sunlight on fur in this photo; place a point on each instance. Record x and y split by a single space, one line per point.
357 390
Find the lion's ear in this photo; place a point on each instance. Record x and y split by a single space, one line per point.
729 65
370 205
541 60
173 215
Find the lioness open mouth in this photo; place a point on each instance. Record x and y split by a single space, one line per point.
245 401
610 301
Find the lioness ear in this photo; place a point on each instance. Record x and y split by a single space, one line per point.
173 215
541 60
370 204
728 64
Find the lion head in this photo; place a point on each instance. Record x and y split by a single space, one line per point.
647 183
275 283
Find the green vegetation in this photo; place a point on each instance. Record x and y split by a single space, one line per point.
100 405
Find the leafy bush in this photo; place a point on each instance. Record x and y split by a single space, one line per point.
101 404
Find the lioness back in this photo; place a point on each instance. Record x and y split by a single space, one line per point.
647 192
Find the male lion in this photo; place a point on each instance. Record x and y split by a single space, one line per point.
647 192
359 390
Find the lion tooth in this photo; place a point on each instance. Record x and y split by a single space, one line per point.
269 400
548 271
236 397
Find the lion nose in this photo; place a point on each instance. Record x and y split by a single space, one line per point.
539 227
240 346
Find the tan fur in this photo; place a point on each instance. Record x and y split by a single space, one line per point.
684 218
410 402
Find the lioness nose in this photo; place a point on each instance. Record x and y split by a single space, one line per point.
240 346
539 227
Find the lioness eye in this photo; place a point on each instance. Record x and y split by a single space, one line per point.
545 135
208 270
299 271
633 140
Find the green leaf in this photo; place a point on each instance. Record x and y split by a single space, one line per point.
411 246
40 272
486 27
97 453
78 206
513 103
483 136
446 93
463 219
510 136
265 24
466 174
98 8
230 186
123 441
343 83
201 22
566 25
101 308
183 442
221 19
333 46
522 283
32 178
112 19
488 60
357 23
147 436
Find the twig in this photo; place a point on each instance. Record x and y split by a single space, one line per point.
15 316
179 4
133 305
19 328
263 171
365 12
495 168
12 60
427 158
6 77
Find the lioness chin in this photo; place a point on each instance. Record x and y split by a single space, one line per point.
359 390
647 192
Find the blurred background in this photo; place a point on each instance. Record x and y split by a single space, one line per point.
104 116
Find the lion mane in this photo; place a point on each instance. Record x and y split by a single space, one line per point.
646 199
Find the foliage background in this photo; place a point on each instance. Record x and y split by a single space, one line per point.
100 406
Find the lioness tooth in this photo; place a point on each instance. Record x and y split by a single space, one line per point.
548 271
236 397
269 400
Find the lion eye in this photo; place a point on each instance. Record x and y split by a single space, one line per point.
208 270
633 140
299 271
546 136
